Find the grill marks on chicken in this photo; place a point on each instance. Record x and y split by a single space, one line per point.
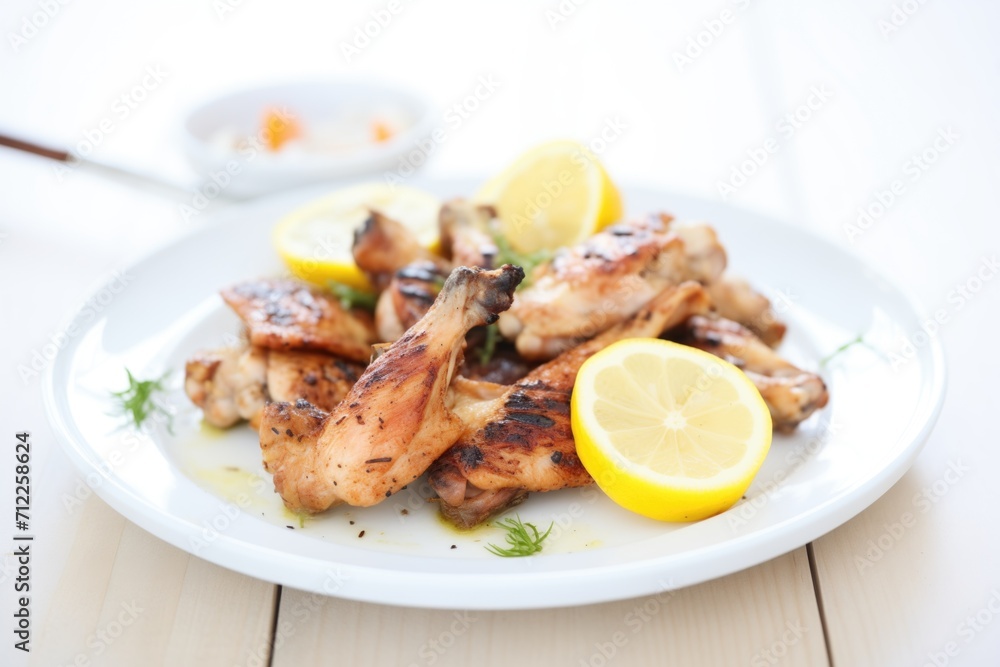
520 439
294 334
791 393
407 298
320 379
232 384
396 420
288 315
407 275
605 280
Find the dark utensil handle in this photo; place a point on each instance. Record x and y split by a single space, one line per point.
29 147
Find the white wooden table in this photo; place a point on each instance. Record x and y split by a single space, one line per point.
699 89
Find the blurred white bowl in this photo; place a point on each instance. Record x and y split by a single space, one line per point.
223 137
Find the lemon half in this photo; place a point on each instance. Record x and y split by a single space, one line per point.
557 194
668 431
315 240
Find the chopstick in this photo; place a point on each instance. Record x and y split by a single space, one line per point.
116 172
36 149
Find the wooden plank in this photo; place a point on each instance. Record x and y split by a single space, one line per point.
223 618
128 598
763 616
79 596
912 580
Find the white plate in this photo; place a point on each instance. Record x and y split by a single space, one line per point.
178 486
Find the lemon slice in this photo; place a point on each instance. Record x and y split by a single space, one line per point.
315 240
668 431
555 195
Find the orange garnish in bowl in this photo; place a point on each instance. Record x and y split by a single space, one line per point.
381 131
279 128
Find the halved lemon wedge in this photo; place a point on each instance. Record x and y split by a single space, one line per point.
315 240
557 194
668 431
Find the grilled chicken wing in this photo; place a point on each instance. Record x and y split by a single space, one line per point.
289 315
734 299
518 438
407 275
227 384
407 298
605 280
396 420
465 233
407 294
704 257
791 393
383 246
232 384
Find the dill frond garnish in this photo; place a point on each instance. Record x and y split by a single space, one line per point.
521 541
857 340
138 402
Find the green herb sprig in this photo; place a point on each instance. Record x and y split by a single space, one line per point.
351 297
857 340
522 543
489 344
138 402
529 261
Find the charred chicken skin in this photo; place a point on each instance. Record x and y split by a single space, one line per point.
407 276
289 315
233 384
397 419
605 280
407 298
